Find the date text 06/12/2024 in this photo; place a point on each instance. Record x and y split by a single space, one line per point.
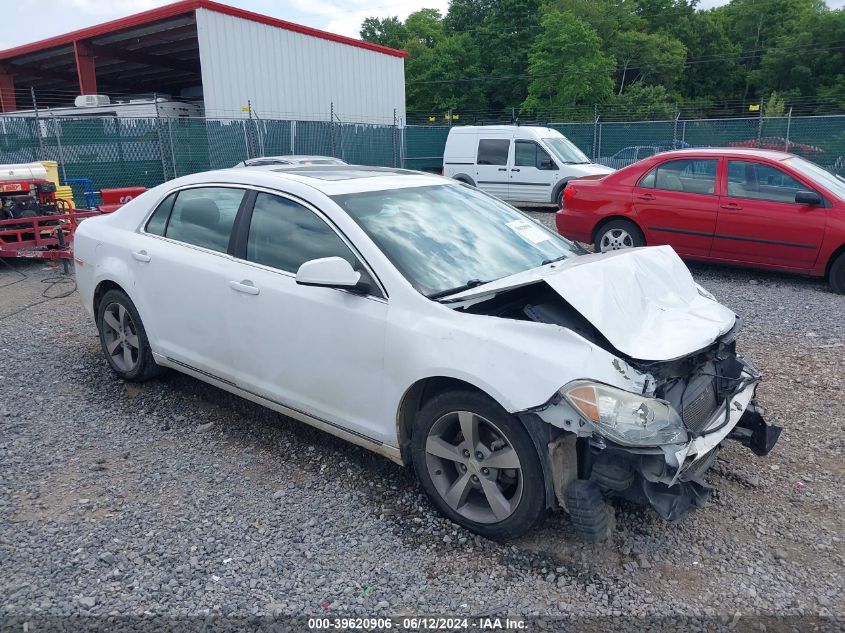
417 624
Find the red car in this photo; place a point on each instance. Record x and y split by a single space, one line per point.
745 207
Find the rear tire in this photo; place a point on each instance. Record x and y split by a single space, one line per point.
836 276
589 512
617 235
124 339
492 484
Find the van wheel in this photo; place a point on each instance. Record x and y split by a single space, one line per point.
478 465
618 234
559 197
836 277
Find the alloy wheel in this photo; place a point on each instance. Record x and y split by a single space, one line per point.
121 337
474 467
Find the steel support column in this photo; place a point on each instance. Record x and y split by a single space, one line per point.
7 92
84 53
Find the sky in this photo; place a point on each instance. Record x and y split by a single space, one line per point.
37 19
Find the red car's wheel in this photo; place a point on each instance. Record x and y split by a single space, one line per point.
618 234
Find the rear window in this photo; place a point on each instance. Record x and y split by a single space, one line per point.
493 151
204 216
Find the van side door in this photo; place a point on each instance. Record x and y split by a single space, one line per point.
491 170
533 172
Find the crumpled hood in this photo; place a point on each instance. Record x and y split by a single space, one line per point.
643 300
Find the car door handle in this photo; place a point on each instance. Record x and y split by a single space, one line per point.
514 170
646 196
141 256
245 286
503 168
731 206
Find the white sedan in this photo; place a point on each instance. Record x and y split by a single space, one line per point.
436 325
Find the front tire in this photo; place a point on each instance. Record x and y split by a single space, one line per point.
836 276
124 339
478 465
618 234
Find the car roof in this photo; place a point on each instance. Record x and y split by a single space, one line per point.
328 179
728 151
292 158
501 128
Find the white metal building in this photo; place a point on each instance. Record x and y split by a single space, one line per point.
227 59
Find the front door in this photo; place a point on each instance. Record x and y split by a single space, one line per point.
760 222
317 350
533 173
676 204
491 171
181 267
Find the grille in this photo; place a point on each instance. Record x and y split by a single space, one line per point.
698 411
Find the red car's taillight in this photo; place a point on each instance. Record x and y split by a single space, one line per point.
568 194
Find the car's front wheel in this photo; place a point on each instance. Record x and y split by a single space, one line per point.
123 338
478 465
618 234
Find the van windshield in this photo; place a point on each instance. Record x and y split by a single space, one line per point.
566 152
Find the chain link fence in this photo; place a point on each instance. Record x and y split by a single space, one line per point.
118 151
820 139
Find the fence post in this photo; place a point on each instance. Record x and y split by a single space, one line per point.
788 125
331 128
59 146
760 124
172 153
675 130
596 137
293 137
160 140
393 138
41 153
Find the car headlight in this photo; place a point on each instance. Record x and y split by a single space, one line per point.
625 417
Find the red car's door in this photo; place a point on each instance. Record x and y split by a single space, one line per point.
759 221
677 204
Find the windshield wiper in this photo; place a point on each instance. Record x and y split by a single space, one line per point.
472 283
553 260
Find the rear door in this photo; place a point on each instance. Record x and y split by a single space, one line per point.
491 173
183 269
760 222
533 173
676 204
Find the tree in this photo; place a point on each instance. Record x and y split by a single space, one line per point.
387 32
567 65
641 101
648 57
425 26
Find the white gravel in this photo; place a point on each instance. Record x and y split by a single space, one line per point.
175 498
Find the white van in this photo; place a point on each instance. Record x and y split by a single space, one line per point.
516 163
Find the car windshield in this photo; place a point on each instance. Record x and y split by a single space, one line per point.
566 152
446 238
826 179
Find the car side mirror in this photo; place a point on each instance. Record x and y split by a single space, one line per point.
810 198
547 164
329 272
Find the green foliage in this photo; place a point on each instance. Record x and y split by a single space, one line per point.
567 65
550 56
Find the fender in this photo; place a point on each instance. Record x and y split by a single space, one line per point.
465 178
559 187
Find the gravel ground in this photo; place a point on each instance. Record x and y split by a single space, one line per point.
175 498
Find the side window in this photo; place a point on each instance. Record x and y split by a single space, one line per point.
525 154
158 220
204 216
686 175
283 234
761 182
493 151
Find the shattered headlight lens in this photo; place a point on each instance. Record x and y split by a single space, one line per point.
625 417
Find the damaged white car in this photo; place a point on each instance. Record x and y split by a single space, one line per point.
436 325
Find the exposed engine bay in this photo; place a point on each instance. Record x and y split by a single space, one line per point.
702 387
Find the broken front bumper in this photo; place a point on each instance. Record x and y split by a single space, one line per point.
670 478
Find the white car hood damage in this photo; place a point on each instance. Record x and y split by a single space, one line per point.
643 300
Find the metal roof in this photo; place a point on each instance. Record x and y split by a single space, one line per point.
107 29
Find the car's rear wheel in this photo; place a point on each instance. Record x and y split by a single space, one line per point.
836 276
618 234
123 338
478 465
